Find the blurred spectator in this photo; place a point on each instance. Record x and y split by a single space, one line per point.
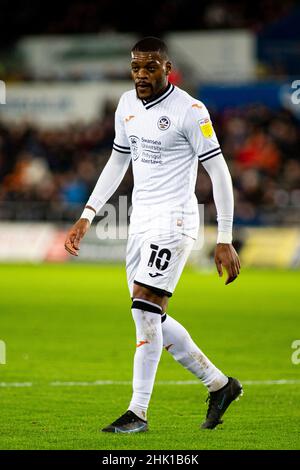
262 148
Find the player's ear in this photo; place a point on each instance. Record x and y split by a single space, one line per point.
168 67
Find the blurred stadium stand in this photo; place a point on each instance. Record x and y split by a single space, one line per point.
240 58
48 174
79 17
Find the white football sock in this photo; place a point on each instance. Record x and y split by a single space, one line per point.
179 343
147 318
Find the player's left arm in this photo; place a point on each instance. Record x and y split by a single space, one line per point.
225 254
198 129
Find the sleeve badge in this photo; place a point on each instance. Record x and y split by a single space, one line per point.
206 127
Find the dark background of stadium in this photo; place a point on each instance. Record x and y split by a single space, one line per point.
261 145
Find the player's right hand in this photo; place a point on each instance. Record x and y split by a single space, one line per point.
75 235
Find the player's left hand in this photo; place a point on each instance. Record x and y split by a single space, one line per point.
226 256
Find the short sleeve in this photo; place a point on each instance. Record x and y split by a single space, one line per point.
121 143
199 131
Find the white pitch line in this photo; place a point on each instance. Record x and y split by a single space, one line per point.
89 384
16 384
271 382
159 382
170 382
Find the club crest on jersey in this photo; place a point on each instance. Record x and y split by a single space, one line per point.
206 127
134 146
163 123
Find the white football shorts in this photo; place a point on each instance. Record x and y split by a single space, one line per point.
157 261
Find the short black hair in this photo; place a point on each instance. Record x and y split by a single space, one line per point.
151 44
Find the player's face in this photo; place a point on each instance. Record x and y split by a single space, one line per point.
150 72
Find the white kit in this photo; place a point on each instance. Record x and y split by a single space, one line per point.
164 138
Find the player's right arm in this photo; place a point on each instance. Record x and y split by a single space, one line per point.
107 184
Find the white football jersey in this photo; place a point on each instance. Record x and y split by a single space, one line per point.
166 138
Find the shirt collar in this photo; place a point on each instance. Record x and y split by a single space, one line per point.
159 98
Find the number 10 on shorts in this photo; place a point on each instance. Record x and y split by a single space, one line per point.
161 257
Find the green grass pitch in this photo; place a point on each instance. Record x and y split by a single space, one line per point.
72 323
